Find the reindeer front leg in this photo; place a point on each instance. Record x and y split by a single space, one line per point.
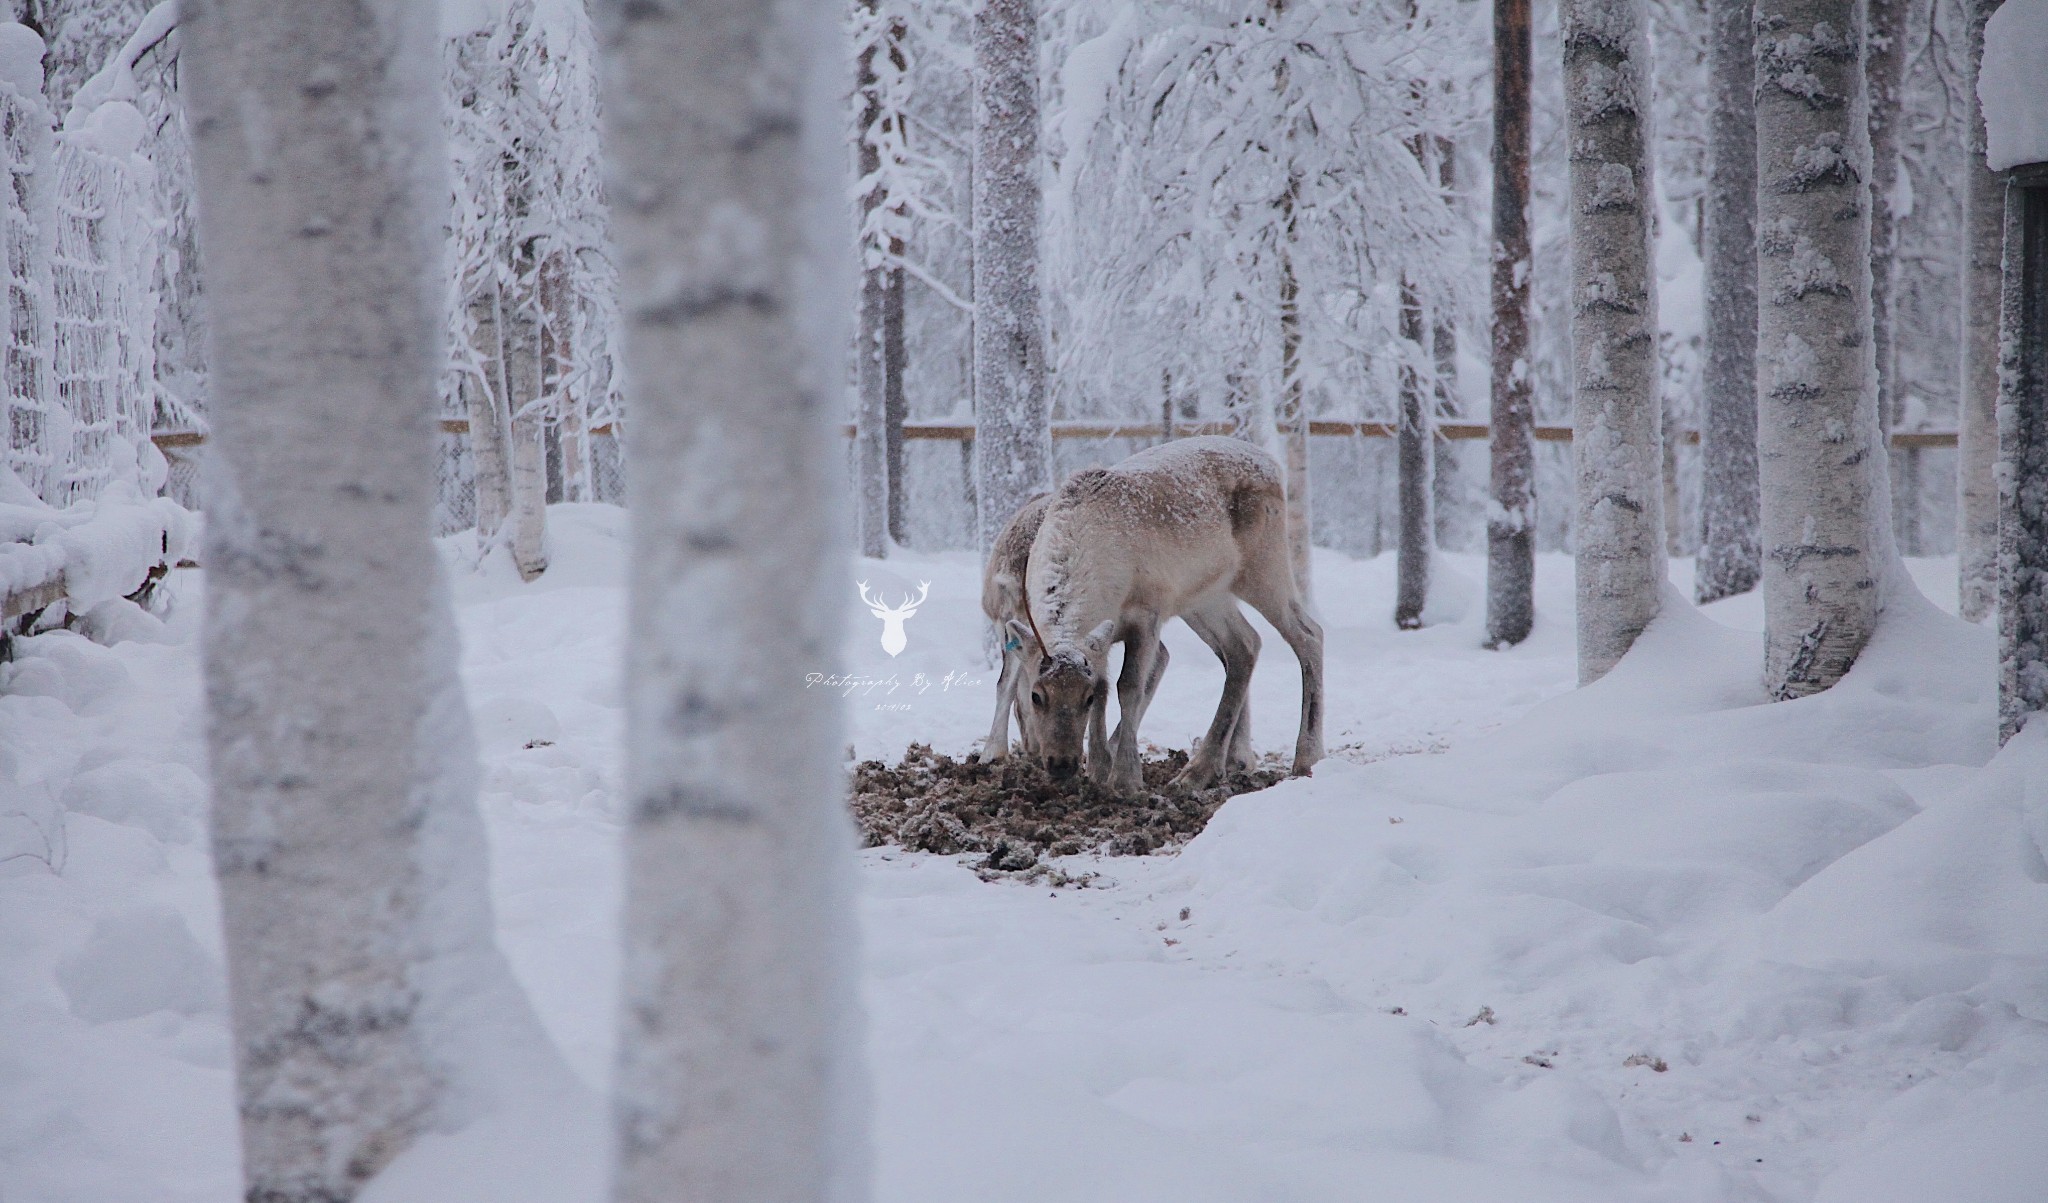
997 745
1098 736
1127 770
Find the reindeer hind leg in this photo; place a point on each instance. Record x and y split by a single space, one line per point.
1267 585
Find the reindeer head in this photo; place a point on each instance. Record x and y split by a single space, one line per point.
1068 683
893 639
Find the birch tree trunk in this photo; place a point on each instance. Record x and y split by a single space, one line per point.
346 843
1511 517
1826 545
529 468
1415 438
2023 456
1290 417
872 486
1617 413
1731 549
1977 455
558 381
1012 435
735 1046
490 433
1445 475
1883 72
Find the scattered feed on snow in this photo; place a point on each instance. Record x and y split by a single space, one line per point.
1016 814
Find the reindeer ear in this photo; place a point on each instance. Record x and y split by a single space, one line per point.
1098 639
1018 636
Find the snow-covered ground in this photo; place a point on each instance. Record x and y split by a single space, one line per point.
1652 940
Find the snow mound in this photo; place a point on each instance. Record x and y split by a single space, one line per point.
103 549
2009 84
21 59
1663 870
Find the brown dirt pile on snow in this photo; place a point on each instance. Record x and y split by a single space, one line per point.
1017 815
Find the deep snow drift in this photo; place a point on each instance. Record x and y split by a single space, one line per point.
1650 940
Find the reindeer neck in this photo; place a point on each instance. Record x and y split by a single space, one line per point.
1069 593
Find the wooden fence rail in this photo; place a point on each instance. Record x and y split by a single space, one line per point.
1086 429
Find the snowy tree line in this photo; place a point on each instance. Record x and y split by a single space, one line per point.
110 336
1172 137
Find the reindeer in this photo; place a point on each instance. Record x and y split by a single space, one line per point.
1002 599
893 638
1177 530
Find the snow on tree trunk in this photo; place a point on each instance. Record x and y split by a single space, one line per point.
2023 456
1012 436
1731 549
1884 57
1511 515
1977 429
1415 437
83 34
735 1049
1617 413
870 426
346 842
1819 444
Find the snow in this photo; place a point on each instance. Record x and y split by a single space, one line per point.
21 58
1821 917
103 548
115 79
2009 84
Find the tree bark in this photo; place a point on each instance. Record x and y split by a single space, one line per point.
558 381
735 1046
1290 417
1820 448
1731 549
490 446
1445 478
1013 437
346 843
529 516
1977 429
1617 411
870 419
872 486
1884 38
1415 436
1511 518
2023 457
895 402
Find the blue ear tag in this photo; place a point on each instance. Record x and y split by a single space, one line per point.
1012 644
